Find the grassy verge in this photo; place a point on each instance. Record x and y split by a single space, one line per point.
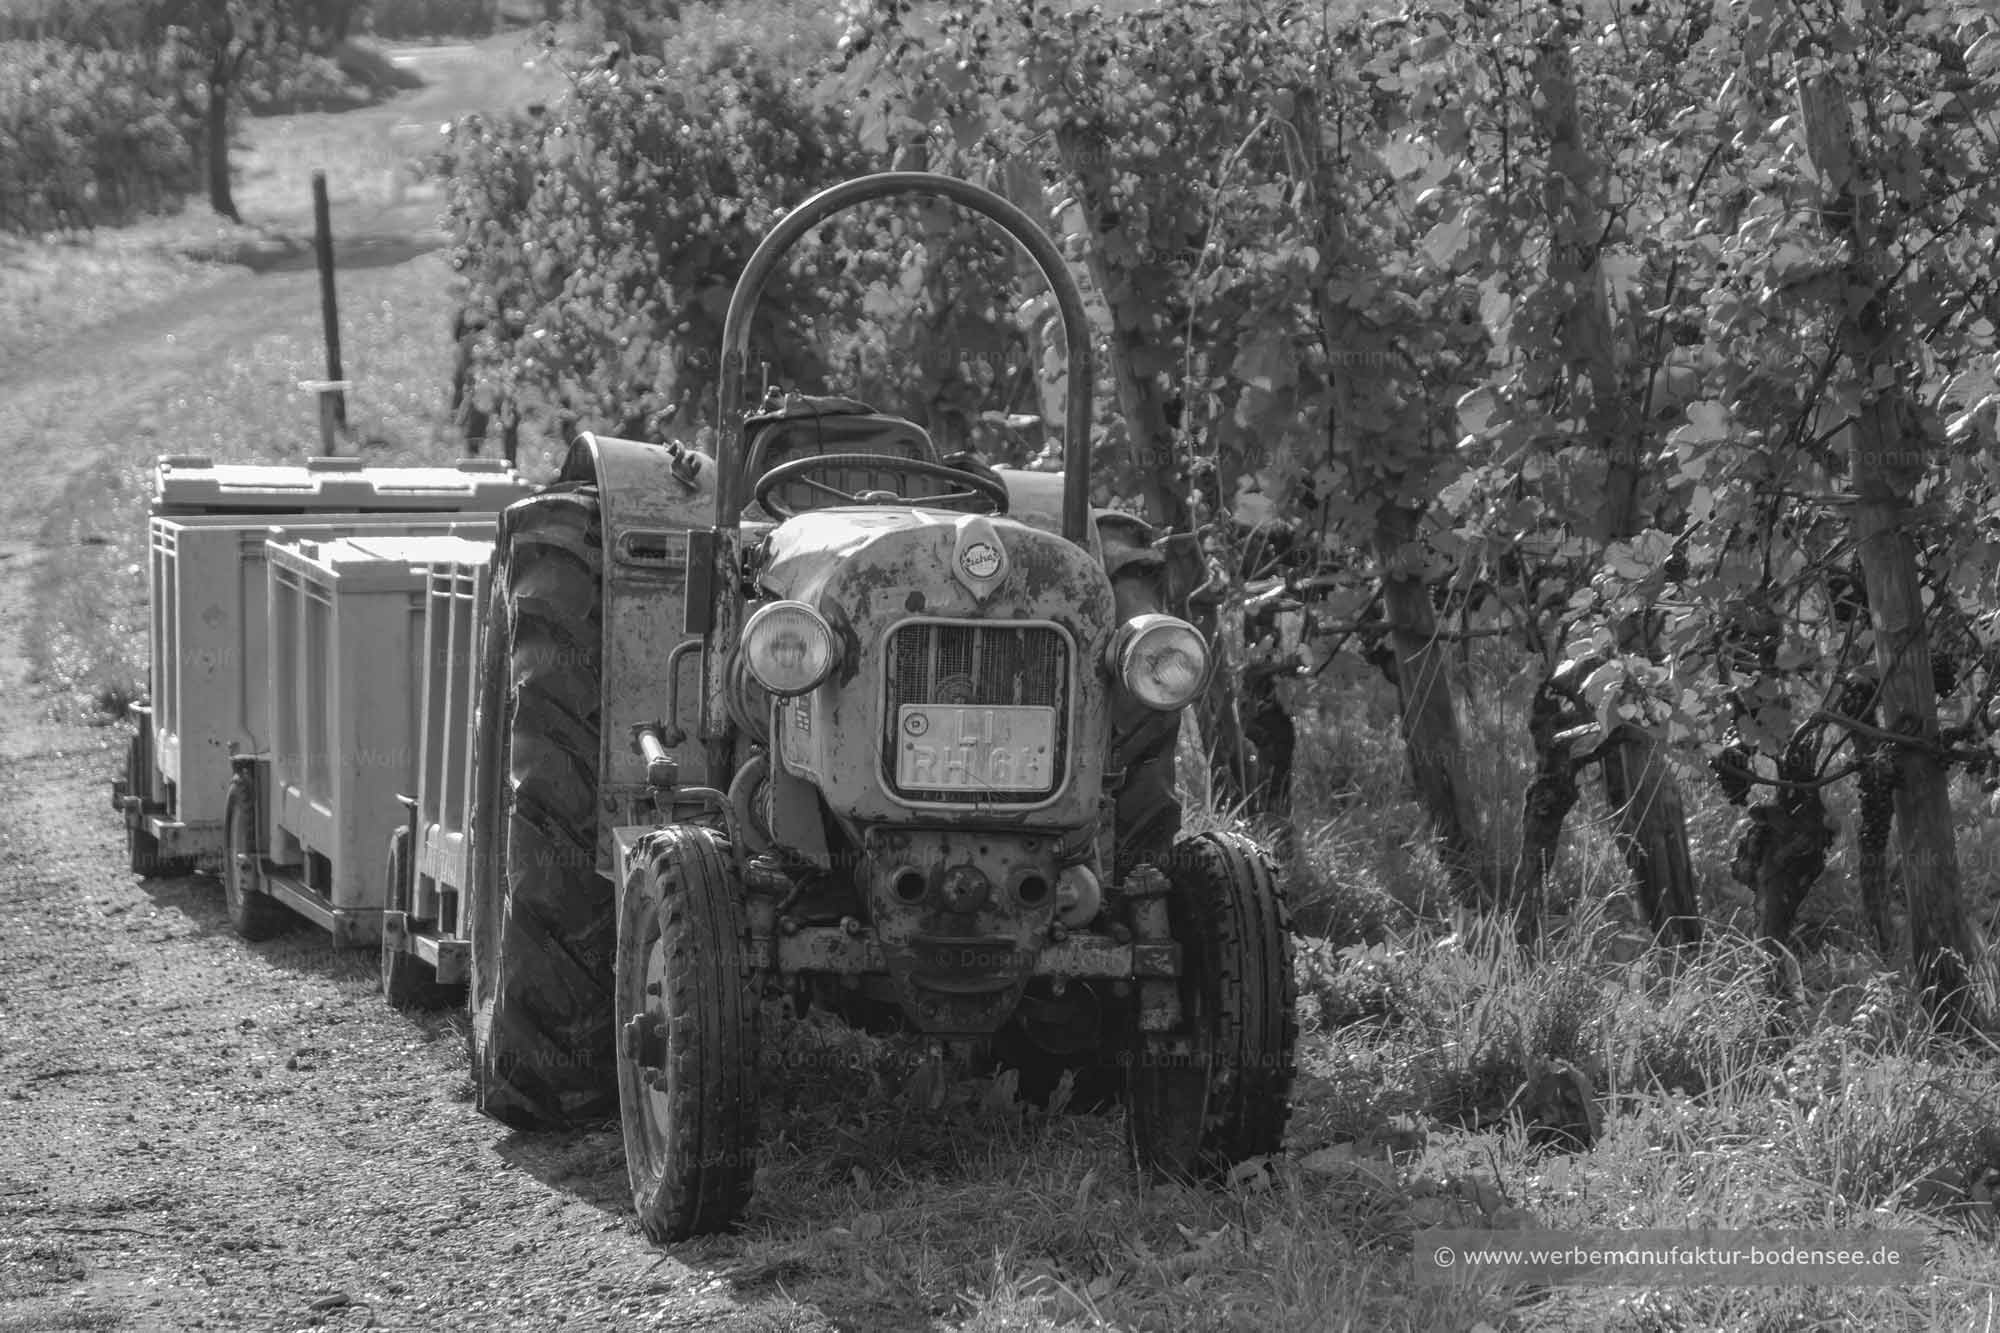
50 290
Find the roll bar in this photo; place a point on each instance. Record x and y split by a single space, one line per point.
731 448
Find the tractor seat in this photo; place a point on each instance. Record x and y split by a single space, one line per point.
803 427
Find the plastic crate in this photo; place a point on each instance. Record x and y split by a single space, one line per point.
454 617
210 647
194 484
346 650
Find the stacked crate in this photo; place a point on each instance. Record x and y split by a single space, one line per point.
209 678
194 484
210 669
347 672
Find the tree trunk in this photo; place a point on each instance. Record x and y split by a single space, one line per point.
221 74
1781 852
1650 826
1151 437
1141 401
1877 782
1552 793
1431 740
1885 450
1640 787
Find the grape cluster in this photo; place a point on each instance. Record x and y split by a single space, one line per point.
1849 597
1857 699
1944 672
1735 771
1878 801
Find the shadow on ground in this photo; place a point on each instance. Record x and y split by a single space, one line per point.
294 254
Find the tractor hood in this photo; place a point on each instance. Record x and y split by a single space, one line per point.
881 563
971 677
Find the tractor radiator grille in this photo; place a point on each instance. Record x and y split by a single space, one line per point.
978 664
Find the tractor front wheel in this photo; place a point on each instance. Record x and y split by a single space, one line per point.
408 982
253 914
1224 1096
687 1042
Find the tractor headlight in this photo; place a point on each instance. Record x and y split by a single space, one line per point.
788 647
1162 659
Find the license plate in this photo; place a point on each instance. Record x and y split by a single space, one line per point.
951 747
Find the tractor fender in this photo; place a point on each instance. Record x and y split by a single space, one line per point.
650 497
1143 742
1036 499
1136 567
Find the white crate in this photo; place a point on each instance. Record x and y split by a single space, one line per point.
346 650
210 643
194 484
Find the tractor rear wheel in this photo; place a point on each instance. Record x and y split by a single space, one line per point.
543 923
687 1051
253 915
1194 1116
408 982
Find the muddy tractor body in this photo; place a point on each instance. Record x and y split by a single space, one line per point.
826 716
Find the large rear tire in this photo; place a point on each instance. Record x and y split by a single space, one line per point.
408 982
688 1038
542 922
1196 1116
254 915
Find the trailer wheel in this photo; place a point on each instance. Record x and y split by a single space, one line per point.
253 915
543 923
142 849
408 982
1194 1116
687 1049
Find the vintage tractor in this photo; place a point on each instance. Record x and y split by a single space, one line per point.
924 769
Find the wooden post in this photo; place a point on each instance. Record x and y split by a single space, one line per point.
333 403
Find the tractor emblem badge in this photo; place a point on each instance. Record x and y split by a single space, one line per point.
979 560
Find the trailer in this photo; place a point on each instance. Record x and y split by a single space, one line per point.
227 675
823 716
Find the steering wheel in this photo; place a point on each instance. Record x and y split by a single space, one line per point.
971 485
